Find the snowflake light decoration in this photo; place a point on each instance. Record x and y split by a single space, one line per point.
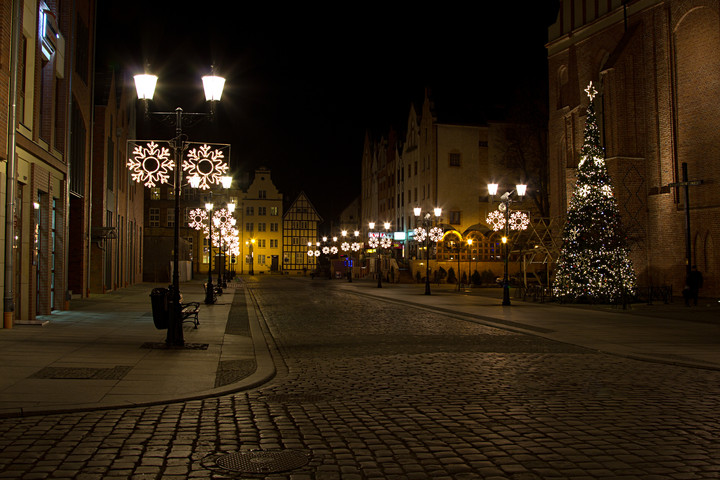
151 164
356 246
420 234
436 234
333 250
317 253
311 253
345 246
519 220
373 242
326 250
385 242
206 164
198 218
496 220
224 224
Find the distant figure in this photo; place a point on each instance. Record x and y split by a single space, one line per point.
694 283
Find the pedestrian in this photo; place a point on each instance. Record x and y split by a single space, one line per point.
694 283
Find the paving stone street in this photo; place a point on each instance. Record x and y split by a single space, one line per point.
370 389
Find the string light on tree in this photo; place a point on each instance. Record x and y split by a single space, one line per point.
594 263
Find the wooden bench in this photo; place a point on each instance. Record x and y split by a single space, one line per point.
189 312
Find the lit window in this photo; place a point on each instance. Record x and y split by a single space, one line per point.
155 193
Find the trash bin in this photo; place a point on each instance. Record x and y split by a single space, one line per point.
160 301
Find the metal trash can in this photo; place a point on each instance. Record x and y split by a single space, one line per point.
160 300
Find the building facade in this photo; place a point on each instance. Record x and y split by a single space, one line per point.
300 226
261 225
442 164
656 66
46 51
116 210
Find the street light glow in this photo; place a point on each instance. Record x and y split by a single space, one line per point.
145 86
213 86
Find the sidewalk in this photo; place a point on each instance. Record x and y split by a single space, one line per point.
106 352
669 333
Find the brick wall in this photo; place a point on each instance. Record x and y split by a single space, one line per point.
655 79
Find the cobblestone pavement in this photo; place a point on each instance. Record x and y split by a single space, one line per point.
373 390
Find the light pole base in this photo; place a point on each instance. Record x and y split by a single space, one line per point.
506 295
209 294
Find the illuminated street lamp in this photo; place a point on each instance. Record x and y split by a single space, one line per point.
427 233
156 166
502 218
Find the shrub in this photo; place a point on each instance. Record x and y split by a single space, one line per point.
487 277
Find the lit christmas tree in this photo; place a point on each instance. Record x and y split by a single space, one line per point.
594 263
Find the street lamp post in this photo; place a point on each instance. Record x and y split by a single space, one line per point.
145 86
209 288
427 233
469 277
251 244
519 223
377 242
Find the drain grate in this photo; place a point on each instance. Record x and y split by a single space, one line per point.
165 346
82 373
263 461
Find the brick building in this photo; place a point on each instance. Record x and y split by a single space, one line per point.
46 51
656 65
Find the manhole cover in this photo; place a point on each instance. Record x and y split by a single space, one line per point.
262 461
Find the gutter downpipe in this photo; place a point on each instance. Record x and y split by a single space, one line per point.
8 292
68 153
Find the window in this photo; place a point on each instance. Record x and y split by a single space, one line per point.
154 217
206 252
155 193
274 227
273 211
454 159
273 243
189 240
250 211
454 217
261 243
261 227
262 210
262 194
261 259
171 217
249 227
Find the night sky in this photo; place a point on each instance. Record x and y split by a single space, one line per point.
302 89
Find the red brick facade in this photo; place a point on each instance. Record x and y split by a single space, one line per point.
656 64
